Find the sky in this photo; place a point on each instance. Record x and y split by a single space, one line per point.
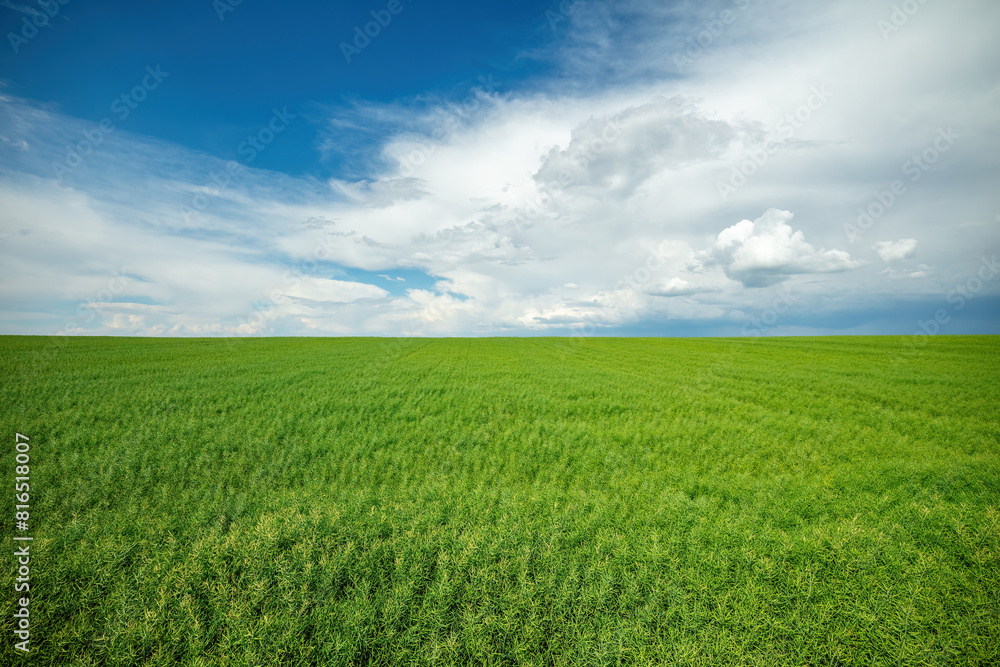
516 168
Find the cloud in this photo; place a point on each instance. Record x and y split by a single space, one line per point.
473 242
21 145
474 198
616 155
678 287
381 194
767 251
922 271
24 9
895 252
333 291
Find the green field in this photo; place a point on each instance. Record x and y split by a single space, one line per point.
785 501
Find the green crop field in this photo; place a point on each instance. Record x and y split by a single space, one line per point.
779 501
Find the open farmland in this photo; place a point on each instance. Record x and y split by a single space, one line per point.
507 501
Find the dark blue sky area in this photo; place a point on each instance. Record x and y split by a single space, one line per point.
226 75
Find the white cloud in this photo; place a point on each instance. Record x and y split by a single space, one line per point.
477 203
921 271
615 155
678 287
767 251
895 251
333 291
381 194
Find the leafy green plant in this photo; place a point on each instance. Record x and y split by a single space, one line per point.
507 501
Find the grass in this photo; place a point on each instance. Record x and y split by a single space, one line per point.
782 501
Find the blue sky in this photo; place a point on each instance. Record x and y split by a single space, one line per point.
742 167
226 74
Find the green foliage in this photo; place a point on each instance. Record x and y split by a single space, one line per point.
782 501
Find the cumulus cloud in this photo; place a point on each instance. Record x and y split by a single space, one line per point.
895 252
767 251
